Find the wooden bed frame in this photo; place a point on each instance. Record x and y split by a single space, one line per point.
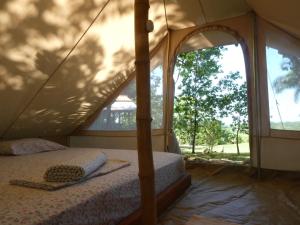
164 200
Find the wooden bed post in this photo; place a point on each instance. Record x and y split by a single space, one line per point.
143 117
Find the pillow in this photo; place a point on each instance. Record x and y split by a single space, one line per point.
28 146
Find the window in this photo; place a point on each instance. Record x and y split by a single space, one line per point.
157 97
121 113
283 67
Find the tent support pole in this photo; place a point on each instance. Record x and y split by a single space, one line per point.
143 116
167 77
257 96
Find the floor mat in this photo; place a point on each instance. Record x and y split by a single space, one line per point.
234 194
200 220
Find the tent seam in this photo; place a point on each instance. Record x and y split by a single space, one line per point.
166 18
54 71
202 11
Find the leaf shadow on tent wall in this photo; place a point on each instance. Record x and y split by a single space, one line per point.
34 40
35 36
124 58
22 31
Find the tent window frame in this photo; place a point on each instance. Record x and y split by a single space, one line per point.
83 131
266 28
240 39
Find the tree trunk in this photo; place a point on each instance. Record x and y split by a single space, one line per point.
237 139
143 115
211 147
194 133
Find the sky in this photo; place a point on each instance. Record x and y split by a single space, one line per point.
233 60
287 107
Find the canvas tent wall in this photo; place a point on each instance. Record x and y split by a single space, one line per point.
51 83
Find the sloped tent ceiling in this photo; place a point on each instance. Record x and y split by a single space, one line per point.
207 39
36 36
284 14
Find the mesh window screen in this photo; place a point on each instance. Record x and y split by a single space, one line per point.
121 113
283 66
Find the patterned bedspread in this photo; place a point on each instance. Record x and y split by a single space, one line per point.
103 200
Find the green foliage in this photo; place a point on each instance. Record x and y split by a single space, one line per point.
196 105
227 136
287 125
234 103
210 133
205 99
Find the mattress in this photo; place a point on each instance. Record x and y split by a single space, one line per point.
104 200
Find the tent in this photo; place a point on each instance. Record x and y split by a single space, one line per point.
63 62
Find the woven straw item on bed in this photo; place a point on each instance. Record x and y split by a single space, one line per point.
62 173
75 169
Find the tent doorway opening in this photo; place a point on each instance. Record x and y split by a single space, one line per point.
210 107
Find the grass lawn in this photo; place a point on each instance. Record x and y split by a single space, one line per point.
228 148
220 152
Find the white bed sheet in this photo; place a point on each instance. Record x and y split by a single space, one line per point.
103 200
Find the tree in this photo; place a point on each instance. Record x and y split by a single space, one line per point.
196 105
205 99
234 103
291 80
211 132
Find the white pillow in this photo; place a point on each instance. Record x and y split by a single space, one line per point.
28 146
